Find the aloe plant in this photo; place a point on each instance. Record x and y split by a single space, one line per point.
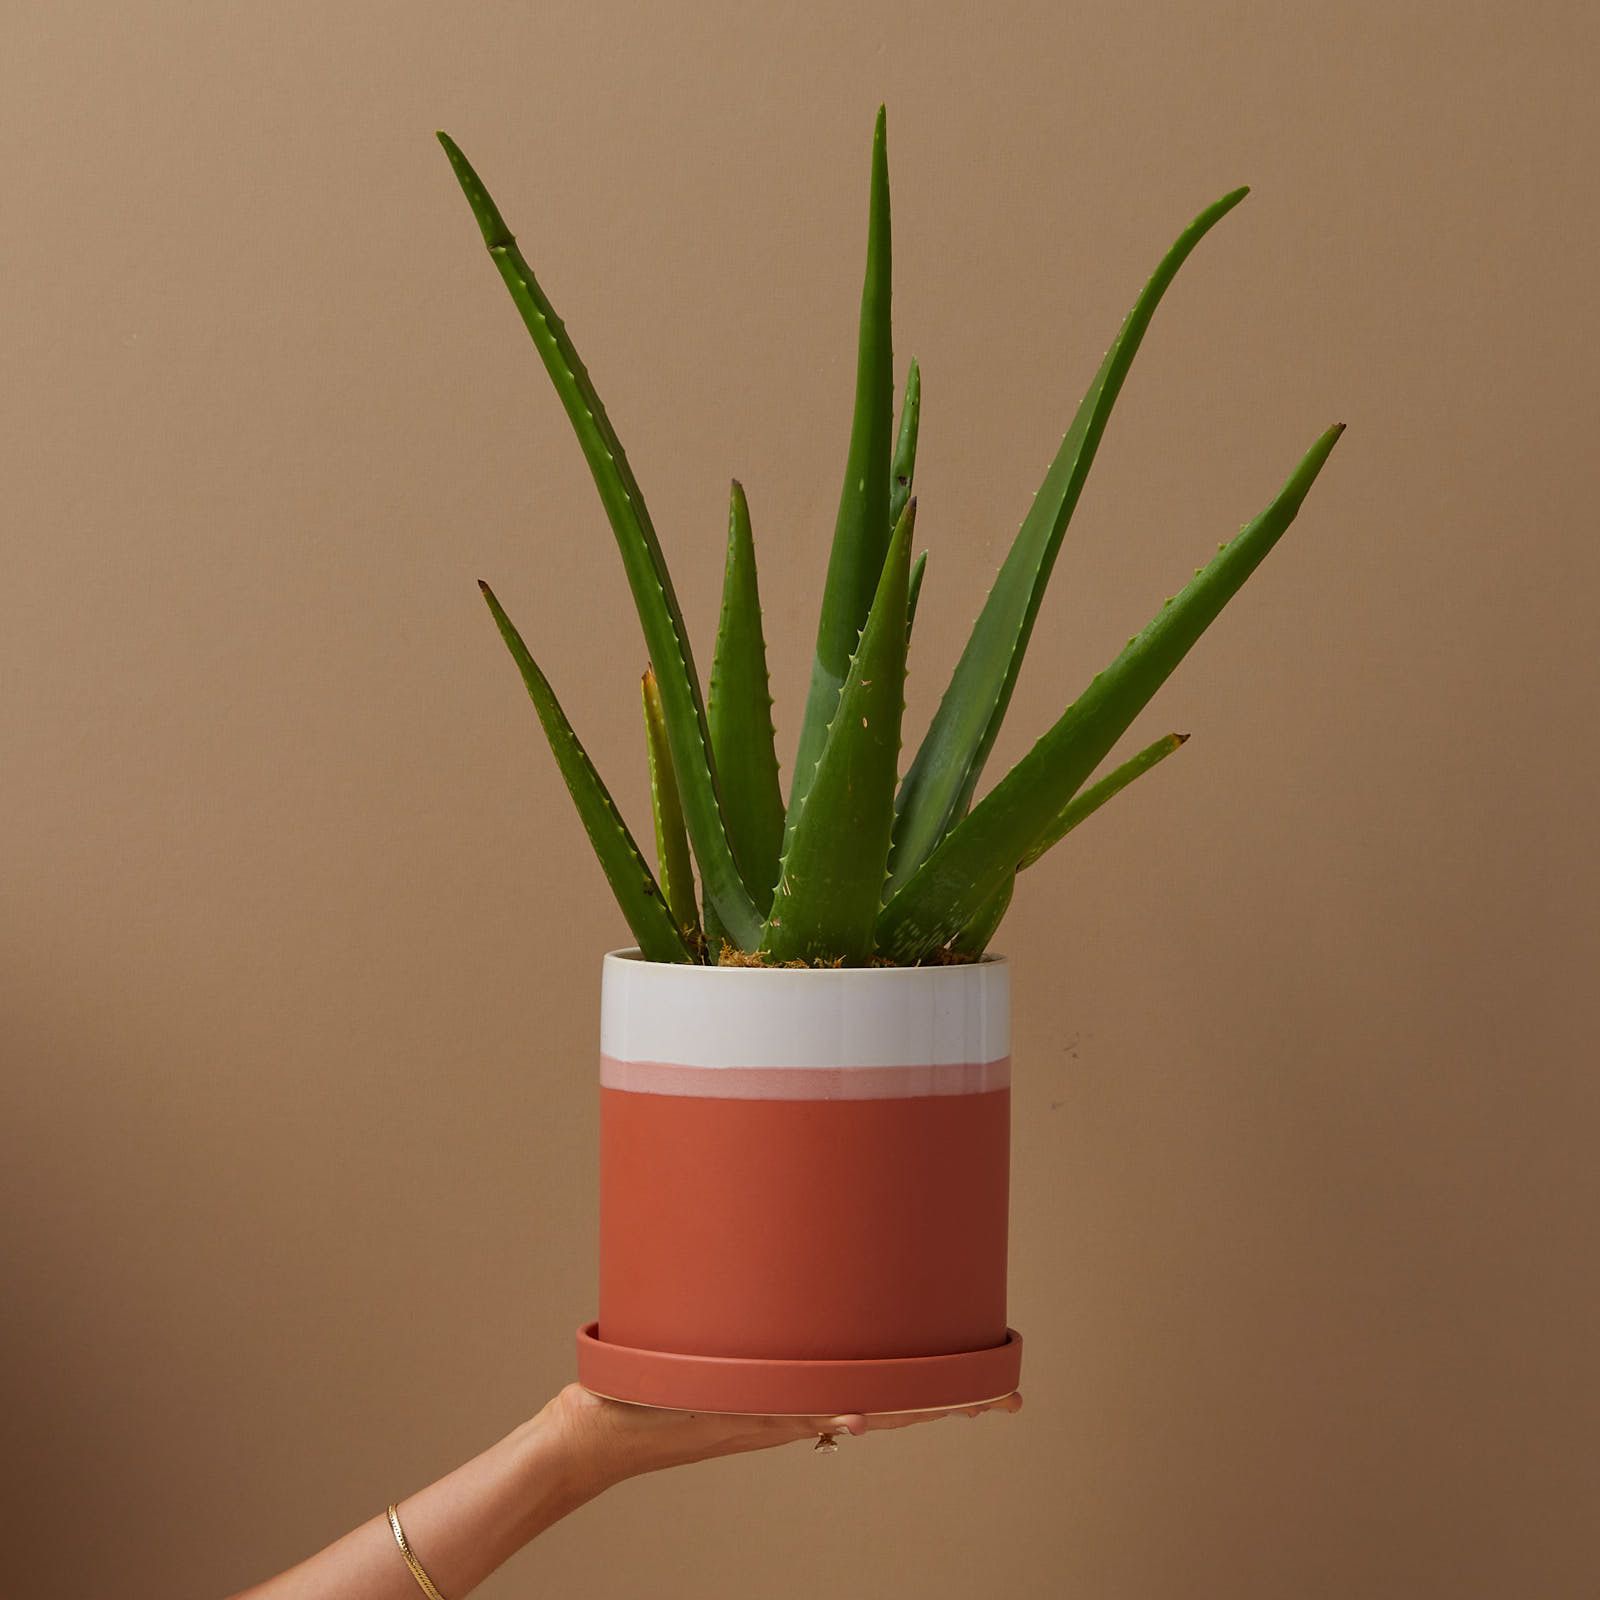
858 864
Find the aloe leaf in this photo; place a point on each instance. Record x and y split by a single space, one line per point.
973 861
939 785
902 469
831 884
861 532
674 871
914 592
646 568
974 938
631 881
1083 806
740 713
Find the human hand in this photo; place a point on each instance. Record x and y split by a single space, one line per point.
612 1440
462 1527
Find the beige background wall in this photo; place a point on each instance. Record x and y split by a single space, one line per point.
299 939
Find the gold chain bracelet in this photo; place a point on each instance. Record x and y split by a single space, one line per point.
424 1582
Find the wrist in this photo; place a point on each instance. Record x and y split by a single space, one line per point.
550 1471
569 1450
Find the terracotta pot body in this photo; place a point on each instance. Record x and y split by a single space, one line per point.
803 1188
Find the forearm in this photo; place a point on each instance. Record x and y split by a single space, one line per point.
460 1528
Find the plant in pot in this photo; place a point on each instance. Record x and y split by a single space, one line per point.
805 1059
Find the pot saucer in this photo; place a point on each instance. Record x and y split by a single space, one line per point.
749 1386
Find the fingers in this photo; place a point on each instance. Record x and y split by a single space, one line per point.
1007 1404
856 1423
621 1440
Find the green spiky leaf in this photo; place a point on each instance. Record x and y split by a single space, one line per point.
831 884
631 881
903 468
642 559
674 871
940 783
1082 806
861 532
973 861
740 712
974 939
914 592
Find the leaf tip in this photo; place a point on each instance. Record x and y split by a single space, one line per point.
1323 448
1218 209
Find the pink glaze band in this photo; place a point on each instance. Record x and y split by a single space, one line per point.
805 1083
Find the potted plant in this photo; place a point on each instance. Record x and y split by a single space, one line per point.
805 1063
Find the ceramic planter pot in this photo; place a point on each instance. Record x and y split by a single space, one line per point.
803 1188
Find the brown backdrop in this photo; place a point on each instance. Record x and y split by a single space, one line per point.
300 937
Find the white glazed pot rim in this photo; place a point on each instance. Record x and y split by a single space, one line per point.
805 1017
